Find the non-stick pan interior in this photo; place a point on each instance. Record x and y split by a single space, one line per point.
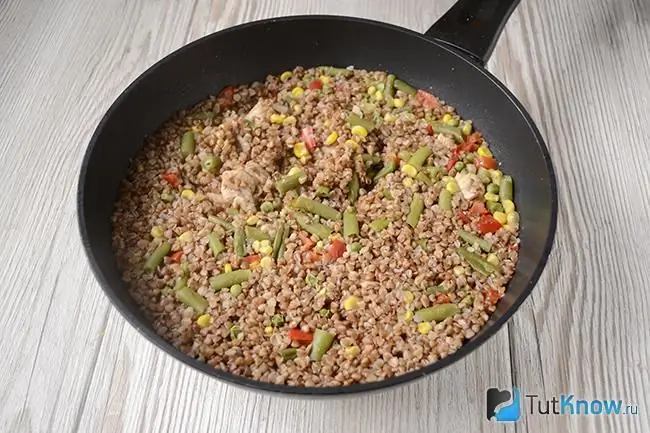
248 53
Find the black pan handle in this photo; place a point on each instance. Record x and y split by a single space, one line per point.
473 26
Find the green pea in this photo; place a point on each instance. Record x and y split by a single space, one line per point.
211 163
236 290
459 165
493 188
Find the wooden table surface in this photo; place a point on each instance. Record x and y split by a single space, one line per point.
69 362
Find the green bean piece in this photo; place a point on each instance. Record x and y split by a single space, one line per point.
324 312
331 70
495 206
278 240
236 290
222 222
477 262
188 144
277 320
350 224
415 210
355 247
440 288
389 167
240 241
283 245
192 299
389 89
234 331
289 353
370 159
442 128
267 207
353 189
320 344
379 224
420 156
316 208
166 196
355 120
436 313
229 279
323 192
211 163
157 256
404 87
472 239
404 155
386 194
423 178
444 200
319 230
288 183
484 175
256 234
493 188
214 241
506 188
180 283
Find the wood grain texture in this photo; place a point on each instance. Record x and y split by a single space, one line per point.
68 360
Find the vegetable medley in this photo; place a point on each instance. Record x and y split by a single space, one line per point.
326 227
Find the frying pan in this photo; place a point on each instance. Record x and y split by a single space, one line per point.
447 60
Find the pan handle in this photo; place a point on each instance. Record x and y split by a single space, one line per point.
473 26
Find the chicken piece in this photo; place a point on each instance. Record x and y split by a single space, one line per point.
470 185
240 186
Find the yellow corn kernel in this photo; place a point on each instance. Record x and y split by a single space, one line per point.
447 179
424 328
227 268
277 118
372 90
319 245
187 193
268 330
353 144
266 250
297 92
204 320
294 170
252 220
359 130
408 182
256 246
285 75
512 218
331 139
389 118
508 206
446 118
325 79
266 261
157 232
409 170
408 297
351 351
199 197
483 151
379 95
350 303
398 102
265 243
452 187
297 109
459 270
501 217
304 159
289 121
300 149
496 176
493 259
491 197
408 316
186 237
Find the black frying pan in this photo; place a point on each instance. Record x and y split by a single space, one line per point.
448 60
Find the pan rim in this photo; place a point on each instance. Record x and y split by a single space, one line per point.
297 391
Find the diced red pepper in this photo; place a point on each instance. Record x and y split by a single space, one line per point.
427 99
176 256
252 258
463 217
429 129
478 208
315 84
171 178
486 162
309 138
487 224
452 161
442 298
336 249
493 296
227 94
299 336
